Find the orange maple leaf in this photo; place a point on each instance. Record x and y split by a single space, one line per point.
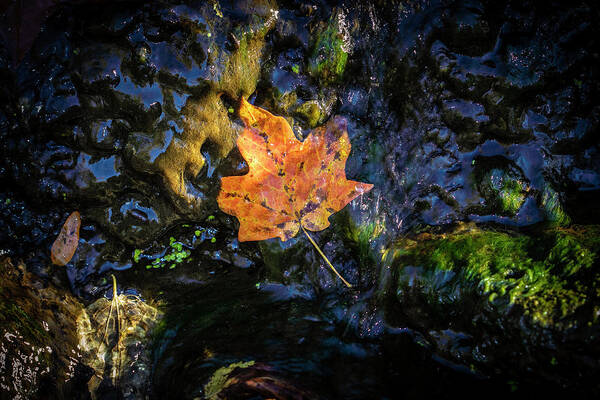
291 185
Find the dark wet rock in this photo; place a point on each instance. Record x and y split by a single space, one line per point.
288 262
446 114
107 135
39 347
134 217
132 102
53 346
96 72
465 112
23 227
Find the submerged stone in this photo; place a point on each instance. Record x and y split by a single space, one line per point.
549 276
535 289
39 352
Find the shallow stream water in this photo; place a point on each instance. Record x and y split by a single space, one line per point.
473 259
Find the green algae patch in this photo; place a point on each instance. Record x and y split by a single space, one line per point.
310 112
242 69
219 380
13 317
16 314
360 237
550 275
552 206
175 254
329 52
511 196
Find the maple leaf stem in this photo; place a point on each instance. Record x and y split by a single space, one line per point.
324 257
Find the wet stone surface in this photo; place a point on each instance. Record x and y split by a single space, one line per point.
39 349
477 246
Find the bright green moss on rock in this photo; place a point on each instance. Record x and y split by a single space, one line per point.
502 185
552 207
220 379
511 196
310 112
504 193
359 237
328 53
550 275
242 68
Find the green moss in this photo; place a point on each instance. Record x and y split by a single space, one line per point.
549 274
328 55
220 378
136 255
361 237
243 66
310 112
552 206
511 196
12 315
504 193
287 100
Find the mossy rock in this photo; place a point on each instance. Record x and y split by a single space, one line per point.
38 338
501 183
553 208
549 276
328 52
310 112
249 379
220 379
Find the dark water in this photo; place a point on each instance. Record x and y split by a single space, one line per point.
458 112
312 342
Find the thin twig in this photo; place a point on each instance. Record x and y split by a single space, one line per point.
116 298
324 257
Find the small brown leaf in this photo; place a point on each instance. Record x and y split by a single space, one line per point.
66 243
